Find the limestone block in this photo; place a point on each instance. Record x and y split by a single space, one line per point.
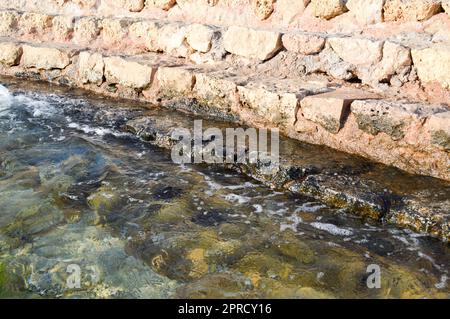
145 33
254 44
86 30
113 30
163 4
199 37
357 51
366 11
172 40
290 10
262 8
63 27
433 64
31 22
44 58
10 54
175 79
330 109
91 68
303 43
439 127
392 118
328 9
8 22
127 73
410 10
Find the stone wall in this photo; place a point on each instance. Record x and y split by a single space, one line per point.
367 77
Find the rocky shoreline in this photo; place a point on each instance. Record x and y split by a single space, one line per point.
366 80
349 182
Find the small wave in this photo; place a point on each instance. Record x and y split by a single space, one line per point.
6 98
332 229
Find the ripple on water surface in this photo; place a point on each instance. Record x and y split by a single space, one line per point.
76 190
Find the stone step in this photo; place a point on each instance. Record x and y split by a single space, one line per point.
412 136
410 63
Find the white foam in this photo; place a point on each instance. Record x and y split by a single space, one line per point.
332 229
309 208
6 99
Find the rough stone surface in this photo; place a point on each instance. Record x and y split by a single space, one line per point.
439 127
86 30
262 8
172 40
392 118
8 20
254 44
276 106
44 58
63 27
35 22
216 90
91 68
303 43
163 4
330 109
175 79
127 73
134 5
199 37
145 33
357 51
366 11
446 6
410 10
433 64
328 9
10 54
114 30
290 10
395 58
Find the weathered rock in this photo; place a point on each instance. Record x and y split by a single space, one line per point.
395 58
175 79
216 89
328 9
199 37
87 4
276 105
63 27
303 43
145 33
113 30
289 10
262 8
86 30
330 109
44 58
35 22
163 4
127 73
446 6
254 44
172 40
8 21
360 52
392 118
366 11
433 63
439 126
410 10
134 5
91 68
10 54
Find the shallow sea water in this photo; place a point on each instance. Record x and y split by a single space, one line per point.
77 192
